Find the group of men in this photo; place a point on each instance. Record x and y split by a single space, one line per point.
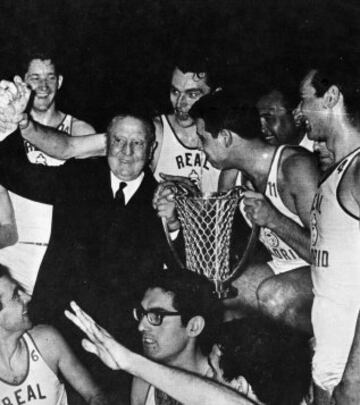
101 240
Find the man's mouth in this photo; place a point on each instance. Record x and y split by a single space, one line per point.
183 115
148 340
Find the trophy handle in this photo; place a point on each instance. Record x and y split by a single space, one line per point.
248 252
171 245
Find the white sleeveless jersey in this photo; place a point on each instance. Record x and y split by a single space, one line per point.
33 221
41 386
284 257
335 240
179 160
40 158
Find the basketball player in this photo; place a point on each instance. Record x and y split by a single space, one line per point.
175 318
278 126
32 357
284 181
43 77
177 150
330 106
34 219
183 386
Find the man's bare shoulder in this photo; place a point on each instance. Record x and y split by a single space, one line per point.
49 342
299 162
80 128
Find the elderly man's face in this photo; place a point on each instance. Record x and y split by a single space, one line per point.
128 147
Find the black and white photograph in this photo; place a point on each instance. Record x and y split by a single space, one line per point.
179 202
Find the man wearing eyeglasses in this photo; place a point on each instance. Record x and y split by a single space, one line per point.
176 317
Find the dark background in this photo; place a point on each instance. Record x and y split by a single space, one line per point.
117 52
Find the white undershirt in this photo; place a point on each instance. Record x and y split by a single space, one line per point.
131 187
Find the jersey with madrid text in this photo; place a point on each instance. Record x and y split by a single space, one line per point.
335 241
280 251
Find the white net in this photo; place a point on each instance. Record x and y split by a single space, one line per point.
206 223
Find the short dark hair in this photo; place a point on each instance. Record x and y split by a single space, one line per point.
4 272
190 60
344 74
273 358
224 111
193 295
43 54
144 117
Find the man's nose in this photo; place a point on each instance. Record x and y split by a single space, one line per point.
143 324
43 84
181 100
127 148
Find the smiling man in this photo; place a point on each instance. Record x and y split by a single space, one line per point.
33 219
32 357
43 77
330 108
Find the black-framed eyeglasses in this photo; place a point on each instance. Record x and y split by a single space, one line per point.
154 316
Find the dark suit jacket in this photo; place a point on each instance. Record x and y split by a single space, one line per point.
98 254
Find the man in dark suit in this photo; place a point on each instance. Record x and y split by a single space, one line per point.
106 239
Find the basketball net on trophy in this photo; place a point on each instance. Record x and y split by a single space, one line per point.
206 221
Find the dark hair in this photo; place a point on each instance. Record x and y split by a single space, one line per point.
193 60
4 272
345 75
43 54
223 111
274 359
142 116
192 296
289 99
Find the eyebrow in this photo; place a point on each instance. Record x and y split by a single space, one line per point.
194 89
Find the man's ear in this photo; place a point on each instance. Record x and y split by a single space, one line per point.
60 81
195 326
332 96
225 137
152 150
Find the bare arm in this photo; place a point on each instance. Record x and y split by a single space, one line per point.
188 388
81 128
59 357
301 178
61 146
8 229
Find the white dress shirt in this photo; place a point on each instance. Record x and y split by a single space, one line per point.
131 186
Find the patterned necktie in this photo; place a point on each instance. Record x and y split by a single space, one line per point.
119 195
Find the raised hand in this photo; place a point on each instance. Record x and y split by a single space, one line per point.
14 97
99 341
